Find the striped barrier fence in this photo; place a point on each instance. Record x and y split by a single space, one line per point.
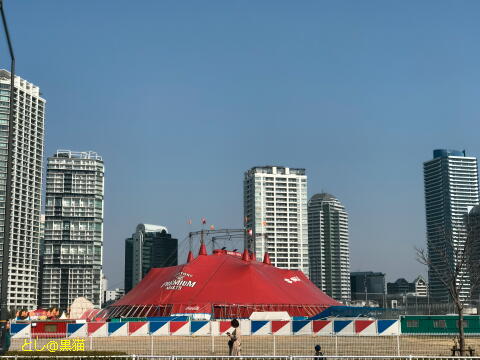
343 327
20 330
280 327
365 327
77 330
260 327
200 328
322 327
222 327
246 326
138 328
179 328
159 328
95 329
301 327
117 328
388 327
361 327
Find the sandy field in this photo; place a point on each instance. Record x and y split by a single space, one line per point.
268 345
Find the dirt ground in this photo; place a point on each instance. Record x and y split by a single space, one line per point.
268 345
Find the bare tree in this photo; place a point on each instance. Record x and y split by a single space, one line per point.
457 267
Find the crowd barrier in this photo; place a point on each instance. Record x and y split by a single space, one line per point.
216 328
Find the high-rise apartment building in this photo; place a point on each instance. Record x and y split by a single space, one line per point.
275 210
73 242
472 220
329 255
26 186
151 246
451 187
41 252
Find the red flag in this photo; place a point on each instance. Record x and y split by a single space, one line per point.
189 222
250 232
212 227
204 221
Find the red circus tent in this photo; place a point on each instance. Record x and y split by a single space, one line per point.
226 285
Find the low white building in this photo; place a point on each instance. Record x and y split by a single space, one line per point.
112 295
421 287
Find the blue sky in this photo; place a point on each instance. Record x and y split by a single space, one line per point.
181 97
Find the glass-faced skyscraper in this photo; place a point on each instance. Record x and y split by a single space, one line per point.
26 186
329 255
275 211
151 246
73 241
451 187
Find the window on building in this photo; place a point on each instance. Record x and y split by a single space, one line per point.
439 324
50 328
412 323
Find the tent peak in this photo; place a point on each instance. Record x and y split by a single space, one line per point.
266 259
246 255
203 249
190 257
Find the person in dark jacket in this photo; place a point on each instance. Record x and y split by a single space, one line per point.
318 353
5 338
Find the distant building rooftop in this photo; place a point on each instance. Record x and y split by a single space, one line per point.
367 273
441 153
149 228
323 197
278 170
77 155
20 83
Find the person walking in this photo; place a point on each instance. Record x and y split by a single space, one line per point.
234 343
318 353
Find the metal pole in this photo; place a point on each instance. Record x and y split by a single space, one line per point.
245 234
274 346
213 338
4 313
151 344
366 291
428 297
398 345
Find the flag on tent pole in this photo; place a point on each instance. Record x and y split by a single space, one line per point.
212 227
204 221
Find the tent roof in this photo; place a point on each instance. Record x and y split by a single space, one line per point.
224 278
